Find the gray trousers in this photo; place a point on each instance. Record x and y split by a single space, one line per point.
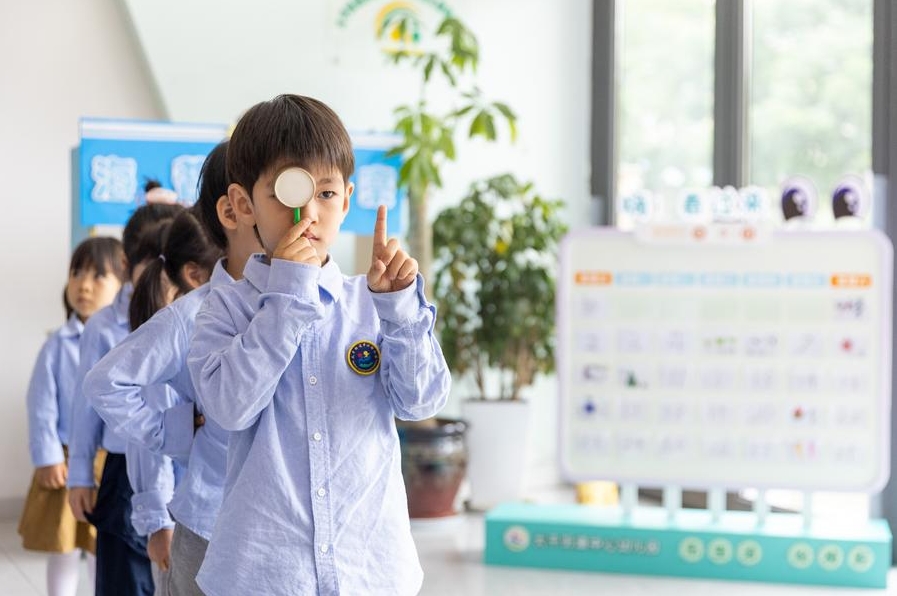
187 552
160 579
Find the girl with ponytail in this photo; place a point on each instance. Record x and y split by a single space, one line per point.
185 262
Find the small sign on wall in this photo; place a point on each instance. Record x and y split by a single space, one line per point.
376 180
117 157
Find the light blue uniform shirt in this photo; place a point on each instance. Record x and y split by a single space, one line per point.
156 353
50 394
314 501
103 330
153 477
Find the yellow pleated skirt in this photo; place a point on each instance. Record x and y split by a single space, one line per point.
47 523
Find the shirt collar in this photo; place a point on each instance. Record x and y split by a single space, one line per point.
220 276
330 280
73 327
121 302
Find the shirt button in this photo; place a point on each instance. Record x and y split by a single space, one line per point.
324 548
317 436
313 380
321 492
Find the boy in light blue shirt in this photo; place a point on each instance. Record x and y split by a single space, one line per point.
308 368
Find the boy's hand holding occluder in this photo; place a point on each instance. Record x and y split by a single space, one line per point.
296 247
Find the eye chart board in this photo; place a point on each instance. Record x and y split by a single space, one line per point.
717 357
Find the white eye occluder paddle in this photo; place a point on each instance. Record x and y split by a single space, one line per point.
294 187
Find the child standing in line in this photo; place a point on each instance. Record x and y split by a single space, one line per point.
308 369
96 273
156 353
153 476
122 563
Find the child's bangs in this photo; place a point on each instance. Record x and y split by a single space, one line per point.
103 254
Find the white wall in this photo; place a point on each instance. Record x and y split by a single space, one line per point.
209 60
213 59
59 60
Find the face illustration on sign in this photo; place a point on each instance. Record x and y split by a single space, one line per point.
849 198
798 199
795 203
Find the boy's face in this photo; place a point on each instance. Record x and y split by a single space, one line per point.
273 219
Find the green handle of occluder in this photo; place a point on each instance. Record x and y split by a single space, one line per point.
296 216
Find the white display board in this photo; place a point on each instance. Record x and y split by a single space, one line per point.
721 358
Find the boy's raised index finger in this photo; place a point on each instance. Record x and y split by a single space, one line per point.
380 226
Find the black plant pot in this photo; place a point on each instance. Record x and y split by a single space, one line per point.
434 461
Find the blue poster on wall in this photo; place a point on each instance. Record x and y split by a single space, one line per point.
376 182
117 157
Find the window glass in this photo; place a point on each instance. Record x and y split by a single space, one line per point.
665 103
810 111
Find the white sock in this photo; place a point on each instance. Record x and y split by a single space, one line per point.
62 573
92 569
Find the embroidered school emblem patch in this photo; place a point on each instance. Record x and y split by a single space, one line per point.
364 357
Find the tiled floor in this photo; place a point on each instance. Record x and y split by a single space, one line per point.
23 573
451 554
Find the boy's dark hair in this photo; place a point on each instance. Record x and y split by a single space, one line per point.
142 218
150 184
212 185
291 128
103 253
178 242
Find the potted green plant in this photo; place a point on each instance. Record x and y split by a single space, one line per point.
494 286
434 455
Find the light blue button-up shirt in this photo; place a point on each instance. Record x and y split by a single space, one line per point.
114 387
50 394
157 353
103 330
314 501
153 476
